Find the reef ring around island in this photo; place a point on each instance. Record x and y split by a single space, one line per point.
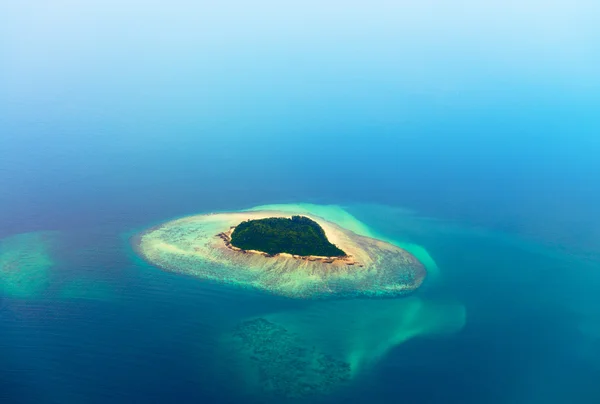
200 246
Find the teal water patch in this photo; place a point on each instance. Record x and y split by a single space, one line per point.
87 289
25 264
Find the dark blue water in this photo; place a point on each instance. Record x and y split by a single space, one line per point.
481 120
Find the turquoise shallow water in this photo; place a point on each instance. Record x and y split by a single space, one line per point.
497 309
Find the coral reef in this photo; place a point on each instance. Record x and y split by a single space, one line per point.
285 366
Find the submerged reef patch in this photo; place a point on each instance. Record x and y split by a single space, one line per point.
25 264
282 364
201 246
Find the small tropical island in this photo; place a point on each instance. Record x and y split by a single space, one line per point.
293 254
297 235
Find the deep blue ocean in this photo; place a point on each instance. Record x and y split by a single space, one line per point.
470 131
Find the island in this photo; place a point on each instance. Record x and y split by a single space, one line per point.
292 254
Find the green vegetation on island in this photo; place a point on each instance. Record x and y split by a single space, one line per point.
298 235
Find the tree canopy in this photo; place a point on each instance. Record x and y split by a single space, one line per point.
298 235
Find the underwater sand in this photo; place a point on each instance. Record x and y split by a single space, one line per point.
25 263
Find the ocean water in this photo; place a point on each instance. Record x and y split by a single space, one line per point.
468 135
504 320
